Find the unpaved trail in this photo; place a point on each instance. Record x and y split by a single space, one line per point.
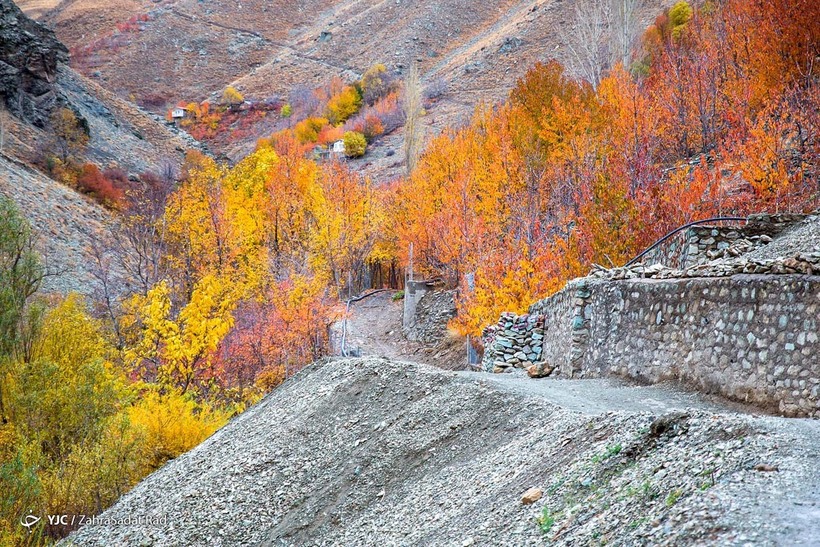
374 329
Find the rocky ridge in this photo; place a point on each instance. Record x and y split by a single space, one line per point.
29 57
376 452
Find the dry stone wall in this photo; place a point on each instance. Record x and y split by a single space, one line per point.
749 337
515 342
742 320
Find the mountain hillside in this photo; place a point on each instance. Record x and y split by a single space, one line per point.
66 224
184 50
36 82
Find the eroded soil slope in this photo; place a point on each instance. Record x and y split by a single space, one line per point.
375 452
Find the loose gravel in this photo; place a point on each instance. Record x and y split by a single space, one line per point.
365 452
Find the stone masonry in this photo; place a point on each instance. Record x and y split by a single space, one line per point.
515 342
746 329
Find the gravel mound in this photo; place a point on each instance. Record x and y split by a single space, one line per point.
375 452
801 238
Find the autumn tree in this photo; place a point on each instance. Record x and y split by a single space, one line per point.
377 83
343 105
355 144
70 134
232 97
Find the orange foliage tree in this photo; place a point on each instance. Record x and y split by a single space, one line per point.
718 118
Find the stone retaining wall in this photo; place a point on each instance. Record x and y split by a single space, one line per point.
515 342
750 338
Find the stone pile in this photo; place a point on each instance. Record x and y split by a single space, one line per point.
738 247
515 342
433 312
799 263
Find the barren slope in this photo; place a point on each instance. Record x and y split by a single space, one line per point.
190 49
66 224
375 452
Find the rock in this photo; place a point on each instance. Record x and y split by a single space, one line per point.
766 467
511 43
29 55
541 370
531 496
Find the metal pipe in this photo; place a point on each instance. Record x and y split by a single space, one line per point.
684 227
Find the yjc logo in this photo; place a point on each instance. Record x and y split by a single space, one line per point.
29 521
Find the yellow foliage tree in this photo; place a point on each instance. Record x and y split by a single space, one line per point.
180 346
232 97
343 106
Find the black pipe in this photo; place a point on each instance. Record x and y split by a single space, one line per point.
676 230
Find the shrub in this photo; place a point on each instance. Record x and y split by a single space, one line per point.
308 130
67 171
173 424
286 111
232 97
355 144
376 84
93 182
343 106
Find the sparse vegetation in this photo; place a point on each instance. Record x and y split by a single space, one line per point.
70 134
673 497
546 521
610 451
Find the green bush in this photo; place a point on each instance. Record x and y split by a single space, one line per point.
355 144
679 15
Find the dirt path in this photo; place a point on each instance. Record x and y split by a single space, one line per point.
374 329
